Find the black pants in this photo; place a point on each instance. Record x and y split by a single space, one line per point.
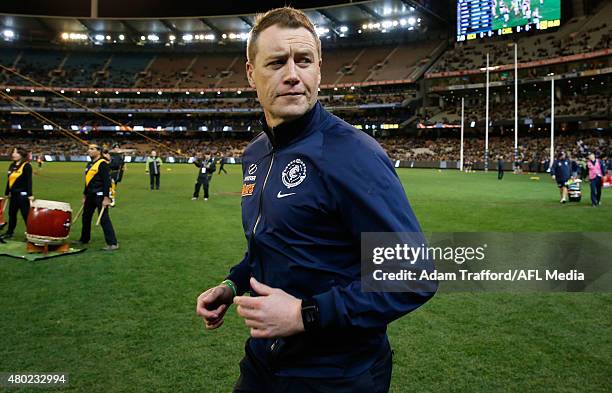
256 378
222 169
154 180
595 191
18 203
202 181
93 202
500 174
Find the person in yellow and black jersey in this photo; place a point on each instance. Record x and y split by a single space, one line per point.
96 196
18 189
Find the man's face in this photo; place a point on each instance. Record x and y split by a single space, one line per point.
286 73
153 153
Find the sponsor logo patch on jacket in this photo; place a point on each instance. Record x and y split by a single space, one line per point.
247 189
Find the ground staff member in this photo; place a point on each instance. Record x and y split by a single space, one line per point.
312 184
561 174
221 165
18 189
95 196
206 168
117 165
153 168
596 172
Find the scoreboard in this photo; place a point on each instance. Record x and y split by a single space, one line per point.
489 18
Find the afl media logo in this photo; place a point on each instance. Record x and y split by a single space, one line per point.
294 173
252 169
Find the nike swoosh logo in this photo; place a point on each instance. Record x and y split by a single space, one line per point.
281 195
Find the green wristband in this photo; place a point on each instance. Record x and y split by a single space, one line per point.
231 286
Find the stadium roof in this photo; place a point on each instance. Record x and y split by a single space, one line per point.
143 18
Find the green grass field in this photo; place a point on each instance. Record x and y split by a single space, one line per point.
125 321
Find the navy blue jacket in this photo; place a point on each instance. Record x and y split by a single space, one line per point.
561 169
311 187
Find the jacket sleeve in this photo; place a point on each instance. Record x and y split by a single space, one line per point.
369 198
240 275
27 172
147 164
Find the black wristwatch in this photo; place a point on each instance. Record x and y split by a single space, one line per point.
310 314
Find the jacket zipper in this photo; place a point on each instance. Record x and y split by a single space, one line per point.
261 268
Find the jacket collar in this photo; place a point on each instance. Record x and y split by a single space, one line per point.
286 133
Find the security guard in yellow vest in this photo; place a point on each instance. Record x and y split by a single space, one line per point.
96 195
18 189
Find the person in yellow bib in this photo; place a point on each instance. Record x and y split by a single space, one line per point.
18 189
96 196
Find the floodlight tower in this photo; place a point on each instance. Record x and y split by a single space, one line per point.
462 128
552 118
486 163
516 153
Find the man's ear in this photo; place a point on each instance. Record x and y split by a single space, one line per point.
249 72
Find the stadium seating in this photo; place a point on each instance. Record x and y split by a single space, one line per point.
403 62
207 70
38 65
122 70
165 71
532 106
79 69
581 37
533 148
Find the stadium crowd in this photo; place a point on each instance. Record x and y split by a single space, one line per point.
470 56
59 145
532 106
186 102
533 149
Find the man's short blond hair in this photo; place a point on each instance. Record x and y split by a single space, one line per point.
287 17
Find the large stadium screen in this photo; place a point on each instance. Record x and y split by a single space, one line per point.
489 18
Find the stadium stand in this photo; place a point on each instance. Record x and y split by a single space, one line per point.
165 71
79 69
532 107
533 148
122 70
580 36
389 111
38 65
